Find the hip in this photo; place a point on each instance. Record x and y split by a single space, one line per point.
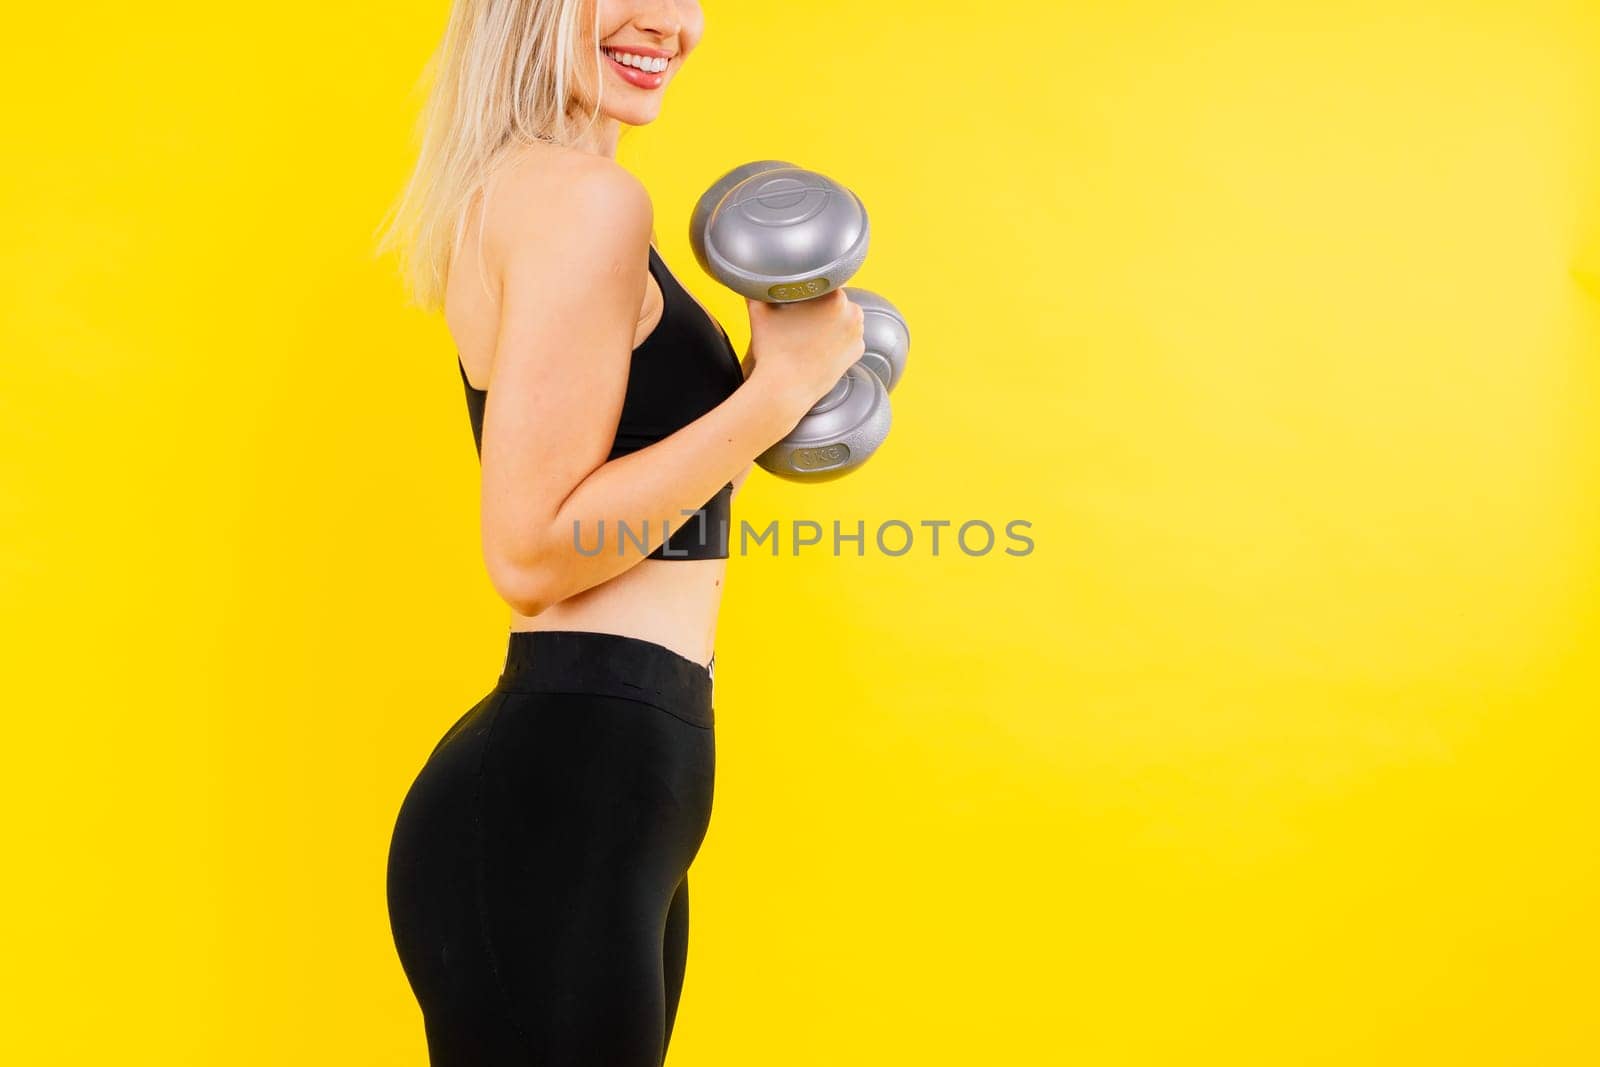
587 741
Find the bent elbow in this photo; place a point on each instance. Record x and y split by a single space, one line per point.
527 609
529 589
532 592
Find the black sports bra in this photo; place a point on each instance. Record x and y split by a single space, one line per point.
684 368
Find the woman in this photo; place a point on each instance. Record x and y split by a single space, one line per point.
537 874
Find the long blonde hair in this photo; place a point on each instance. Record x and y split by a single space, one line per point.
503 75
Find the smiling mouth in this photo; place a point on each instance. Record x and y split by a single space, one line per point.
639 71
634 61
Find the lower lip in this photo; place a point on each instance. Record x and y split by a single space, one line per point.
636 77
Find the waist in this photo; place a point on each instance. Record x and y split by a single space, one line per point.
673 603
608 664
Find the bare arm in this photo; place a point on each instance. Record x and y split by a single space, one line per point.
572 273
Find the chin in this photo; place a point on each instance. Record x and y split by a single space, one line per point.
632 107
643 116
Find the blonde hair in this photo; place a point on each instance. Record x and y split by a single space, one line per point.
503 75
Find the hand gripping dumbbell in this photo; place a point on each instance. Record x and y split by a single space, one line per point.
774 232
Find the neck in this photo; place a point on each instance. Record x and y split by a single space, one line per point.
601 138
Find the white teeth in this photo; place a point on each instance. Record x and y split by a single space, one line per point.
644 63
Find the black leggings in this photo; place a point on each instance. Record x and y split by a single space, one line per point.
537 878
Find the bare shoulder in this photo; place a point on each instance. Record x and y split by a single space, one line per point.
558 197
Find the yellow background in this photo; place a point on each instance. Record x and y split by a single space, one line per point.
1277 321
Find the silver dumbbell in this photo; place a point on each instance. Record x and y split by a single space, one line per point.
777 233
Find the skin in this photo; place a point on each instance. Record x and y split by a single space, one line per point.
561 237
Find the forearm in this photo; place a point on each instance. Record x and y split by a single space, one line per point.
656 490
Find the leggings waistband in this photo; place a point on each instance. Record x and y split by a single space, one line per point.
583 661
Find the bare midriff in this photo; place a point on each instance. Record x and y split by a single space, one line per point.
671 602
